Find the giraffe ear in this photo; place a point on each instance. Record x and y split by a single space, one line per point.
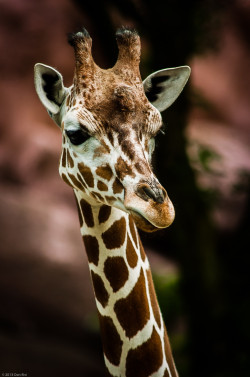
163 87
49 87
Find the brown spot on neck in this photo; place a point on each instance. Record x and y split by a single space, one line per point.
86 173
145 359
133 311
114 237
112 344
131 255
101 293
104 213
116 272
92 248
87 213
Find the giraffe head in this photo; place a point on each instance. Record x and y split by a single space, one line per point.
109 119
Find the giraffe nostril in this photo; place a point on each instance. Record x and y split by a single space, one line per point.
150 193
154 192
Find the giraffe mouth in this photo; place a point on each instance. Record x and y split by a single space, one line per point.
142 223
150 216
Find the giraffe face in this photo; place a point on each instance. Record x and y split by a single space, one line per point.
107 150
109 119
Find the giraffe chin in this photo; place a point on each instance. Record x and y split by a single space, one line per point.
157 215
142 223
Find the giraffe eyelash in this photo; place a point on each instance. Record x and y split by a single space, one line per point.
161 130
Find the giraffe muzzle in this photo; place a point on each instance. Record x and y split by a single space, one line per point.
149 206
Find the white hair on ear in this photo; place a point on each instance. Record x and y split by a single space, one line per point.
163 87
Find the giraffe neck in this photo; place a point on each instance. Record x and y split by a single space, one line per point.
134 338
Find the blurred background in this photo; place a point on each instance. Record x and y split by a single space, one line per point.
48 323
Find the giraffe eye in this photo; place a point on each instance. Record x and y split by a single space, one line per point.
77 137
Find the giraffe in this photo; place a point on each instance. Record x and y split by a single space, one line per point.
109 119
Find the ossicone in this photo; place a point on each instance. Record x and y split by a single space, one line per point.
129 46
75 38
82 44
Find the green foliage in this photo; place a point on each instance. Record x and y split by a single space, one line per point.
203 158
206 156
169 296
